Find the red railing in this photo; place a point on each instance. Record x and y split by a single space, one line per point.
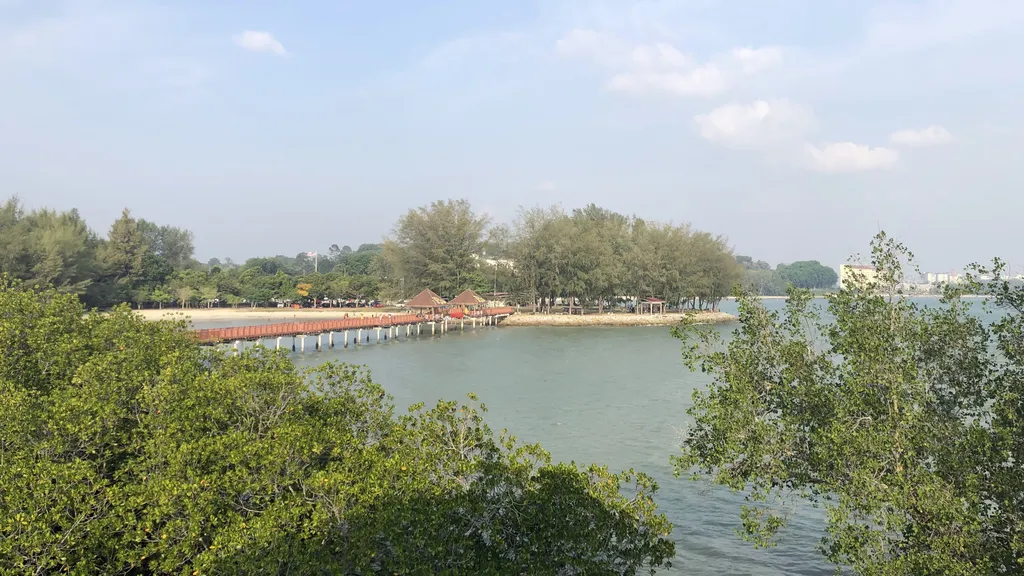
264 331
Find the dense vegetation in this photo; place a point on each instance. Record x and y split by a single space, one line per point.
906 423
127 449
759 277
150 265
592 256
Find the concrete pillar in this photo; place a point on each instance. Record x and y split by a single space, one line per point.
359 336
278 343
408 327
432 326
293 343
419 328
319 341
462 324
302 343
237 343
378 334
330 339
346 339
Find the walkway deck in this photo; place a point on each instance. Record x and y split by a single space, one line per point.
385 321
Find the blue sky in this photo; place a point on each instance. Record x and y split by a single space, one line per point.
794 127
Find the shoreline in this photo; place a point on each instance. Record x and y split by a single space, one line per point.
823 296
583 320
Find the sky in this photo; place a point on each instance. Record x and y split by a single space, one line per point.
796 128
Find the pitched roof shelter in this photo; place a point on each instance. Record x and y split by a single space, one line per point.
651 304
468 298
426 299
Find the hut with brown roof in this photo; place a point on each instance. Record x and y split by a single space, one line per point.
468 300
427 300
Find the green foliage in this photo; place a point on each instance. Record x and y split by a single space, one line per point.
809 275
904 422
125 448
596 254
435 246
760 279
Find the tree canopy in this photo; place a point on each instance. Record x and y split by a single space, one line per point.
590 255
904 422
435 247
125 448
761 279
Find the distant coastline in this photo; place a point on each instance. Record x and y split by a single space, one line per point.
822 296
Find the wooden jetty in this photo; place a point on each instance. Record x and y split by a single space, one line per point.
388 324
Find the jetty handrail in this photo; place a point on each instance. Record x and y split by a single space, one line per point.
262 331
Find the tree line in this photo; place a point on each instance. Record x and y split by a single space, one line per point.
760 278
589 257
149 265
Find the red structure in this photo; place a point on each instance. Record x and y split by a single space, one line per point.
265 331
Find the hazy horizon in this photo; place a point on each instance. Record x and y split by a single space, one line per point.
795 128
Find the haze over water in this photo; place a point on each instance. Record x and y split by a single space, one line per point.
616 396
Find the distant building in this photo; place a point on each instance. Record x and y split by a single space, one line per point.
851 273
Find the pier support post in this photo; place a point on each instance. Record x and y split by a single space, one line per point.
319 341
302 343
407 329
278 343
359 336
419 328
462 324
330 339
345 339
236 347
432 326
293 343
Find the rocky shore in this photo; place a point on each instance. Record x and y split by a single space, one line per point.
529 319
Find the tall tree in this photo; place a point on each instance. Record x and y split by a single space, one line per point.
176 245
903 421
436 247
124 248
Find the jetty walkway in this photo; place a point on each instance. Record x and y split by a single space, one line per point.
388 324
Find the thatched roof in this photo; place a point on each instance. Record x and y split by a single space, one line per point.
426 299
468 298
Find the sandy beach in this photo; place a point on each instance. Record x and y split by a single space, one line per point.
614 319
260 314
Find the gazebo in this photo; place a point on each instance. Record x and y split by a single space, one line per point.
426 300
468 300
652 304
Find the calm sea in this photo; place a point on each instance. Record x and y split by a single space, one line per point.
616 396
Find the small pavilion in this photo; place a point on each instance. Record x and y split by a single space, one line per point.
468 300
652 304
427 300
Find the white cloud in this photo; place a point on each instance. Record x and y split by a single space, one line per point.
840 157
663 68
259 42
930 136
754 60
757 125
